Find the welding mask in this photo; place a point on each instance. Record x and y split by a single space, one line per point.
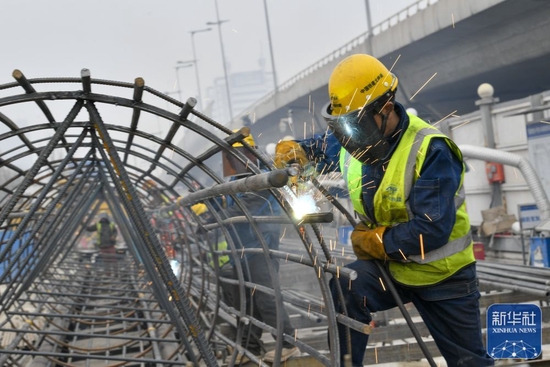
358 88
359 134
233 166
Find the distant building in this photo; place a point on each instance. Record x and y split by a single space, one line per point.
245 87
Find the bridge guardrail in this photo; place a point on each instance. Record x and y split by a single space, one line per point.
377 29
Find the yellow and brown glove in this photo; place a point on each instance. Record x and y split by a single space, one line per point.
288 152
368 243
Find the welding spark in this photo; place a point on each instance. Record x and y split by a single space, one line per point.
427 216
453 19
304 205
422 86
462 124
421 246
444 118
397 132
402 254
395 62
253 290
472 167
234 30
382 283
545 122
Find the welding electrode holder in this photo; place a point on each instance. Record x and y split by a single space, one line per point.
261 181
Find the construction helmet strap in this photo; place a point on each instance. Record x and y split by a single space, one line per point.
359 134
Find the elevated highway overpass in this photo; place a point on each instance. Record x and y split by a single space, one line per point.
441 52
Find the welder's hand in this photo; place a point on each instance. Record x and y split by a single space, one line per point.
288 152
368 243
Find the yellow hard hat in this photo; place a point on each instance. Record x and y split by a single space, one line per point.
359 81
199 208
247 139
149 184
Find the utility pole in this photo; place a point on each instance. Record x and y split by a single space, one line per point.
219 23
197 64
275 84
369 28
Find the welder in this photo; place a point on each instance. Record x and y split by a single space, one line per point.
255 265
405 181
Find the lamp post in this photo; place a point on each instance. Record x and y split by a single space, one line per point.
196 63
219 23
180 65
369 28
270 47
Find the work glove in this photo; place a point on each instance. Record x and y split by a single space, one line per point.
288 152
368 243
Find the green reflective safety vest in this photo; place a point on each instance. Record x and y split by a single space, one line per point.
391 206
222 259
106 238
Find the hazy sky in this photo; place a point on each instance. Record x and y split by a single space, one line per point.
123 39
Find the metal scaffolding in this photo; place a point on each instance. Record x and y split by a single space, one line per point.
87 146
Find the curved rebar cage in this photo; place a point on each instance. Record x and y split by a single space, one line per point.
72 148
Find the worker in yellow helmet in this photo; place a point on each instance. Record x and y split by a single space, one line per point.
218 241
255 265
232 166
405 181
106 241
155 195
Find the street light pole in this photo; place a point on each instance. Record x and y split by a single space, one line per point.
270 48
178 67
196 63
369 28
219 24
178 81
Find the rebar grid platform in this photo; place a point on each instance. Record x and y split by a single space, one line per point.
96 146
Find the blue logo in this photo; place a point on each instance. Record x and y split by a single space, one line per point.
514 331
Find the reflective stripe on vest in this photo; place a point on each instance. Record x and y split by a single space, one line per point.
352 174
391 205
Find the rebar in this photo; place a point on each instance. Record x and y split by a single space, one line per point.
156 300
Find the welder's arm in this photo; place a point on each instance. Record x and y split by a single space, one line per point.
321 150
432 203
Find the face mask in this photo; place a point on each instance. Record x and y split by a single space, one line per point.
359 134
